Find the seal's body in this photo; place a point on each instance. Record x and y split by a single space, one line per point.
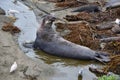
56 45
50 42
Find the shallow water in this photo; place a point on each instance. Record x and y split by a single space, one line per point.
67 68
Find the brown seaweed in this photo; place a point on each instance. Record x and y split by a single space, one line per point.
9 27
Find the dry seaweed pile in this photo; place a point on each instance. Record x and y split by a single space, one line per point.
114 65
81 16
81 34
9 27
68 3
95 17
84 34
109 15
113 47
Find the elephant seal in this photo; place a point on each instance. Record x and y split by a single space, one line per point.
50 42
88 8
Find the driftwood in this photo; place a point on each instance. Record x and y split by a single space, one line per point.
116 29
110 39
104 26
112 4
115 5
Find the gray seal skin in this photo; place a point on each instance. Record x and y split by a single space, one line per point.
88 8
112 4
50 42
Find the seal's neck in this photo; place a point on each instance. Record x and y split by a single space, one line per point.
43 23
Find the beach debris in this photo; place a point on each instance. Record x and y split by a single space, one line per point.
9 27
13 67
109 39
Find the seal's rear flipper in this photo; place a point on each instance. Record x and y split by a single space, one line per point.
103 60
102 57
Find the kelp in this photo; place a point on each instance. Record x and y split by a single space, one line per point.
9 27
113 65
68 3
81 16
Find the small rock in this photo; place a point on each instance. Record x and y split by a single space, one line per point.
87 74
2 12
32 73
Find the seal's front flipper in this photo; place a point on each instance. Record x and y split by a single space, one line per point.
28 44
102 57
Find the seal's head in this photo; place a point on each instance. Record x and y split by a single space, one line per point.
49 18
47 22
46 25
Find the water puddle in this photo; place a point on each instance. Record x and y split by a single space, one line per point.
27 23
